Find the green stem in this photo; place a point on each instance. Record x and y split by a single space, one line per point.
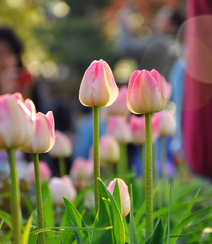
62 167
122 167
155 171
109 169
163 156
96 155
143 165
39 201
14 198
148 185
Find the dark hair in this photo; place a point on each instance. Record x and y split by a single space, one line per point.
177 18
8 36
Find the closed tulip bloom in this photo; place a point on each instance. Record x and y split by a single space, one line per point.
155 123
119 128
45 172
98 87
167 124
62 147
146 92
61 187
124 195
109 149
168 88
44 138
119 107
137 129
82 172
17 121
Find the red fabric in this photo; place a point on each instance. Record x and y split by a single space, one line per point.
24 77
197 110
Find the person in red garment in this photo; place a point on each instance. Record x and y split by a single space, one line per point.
197 109
13 75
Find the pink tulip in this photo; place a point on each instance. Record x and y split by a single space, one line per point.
167 124
124 195
109 149
17 121
146 92
98 87
44 138
155 122
168 88
82 172
61 187
119 128
62 147
119 107
138 129
45 172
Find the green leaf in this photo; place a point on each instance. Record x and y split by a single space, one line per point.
47 208
188 209
133 236
27 229
7 218
65 235
33 237
116 195
117 221
177 230
169 216
206 232
103 219
157 235
77 221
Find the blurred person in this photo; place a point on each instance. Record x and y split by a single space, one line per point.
158 50
197 105
13 75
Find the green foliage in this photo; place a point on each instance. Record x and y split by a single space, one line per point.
157 235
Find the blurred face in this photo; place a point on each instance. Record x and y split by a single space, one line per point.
8 59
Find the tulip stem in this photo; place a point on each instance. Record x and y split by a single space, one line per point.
62 167
96 155
163 156
39 201
143 165
14 198
122 167
148 183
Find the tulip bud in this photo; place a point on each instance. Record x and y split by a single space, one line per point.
146 92
119 107
62 147
98 87
61 187
109 149
119 128
124 195
167 124
44 138
168 88
45 172
82 172
17 121
155 122
138 129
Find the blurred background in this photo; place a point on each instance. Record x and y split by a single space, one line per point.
61 38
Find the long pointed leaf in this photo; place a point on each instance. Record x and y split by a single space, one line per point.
77 221
133 236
